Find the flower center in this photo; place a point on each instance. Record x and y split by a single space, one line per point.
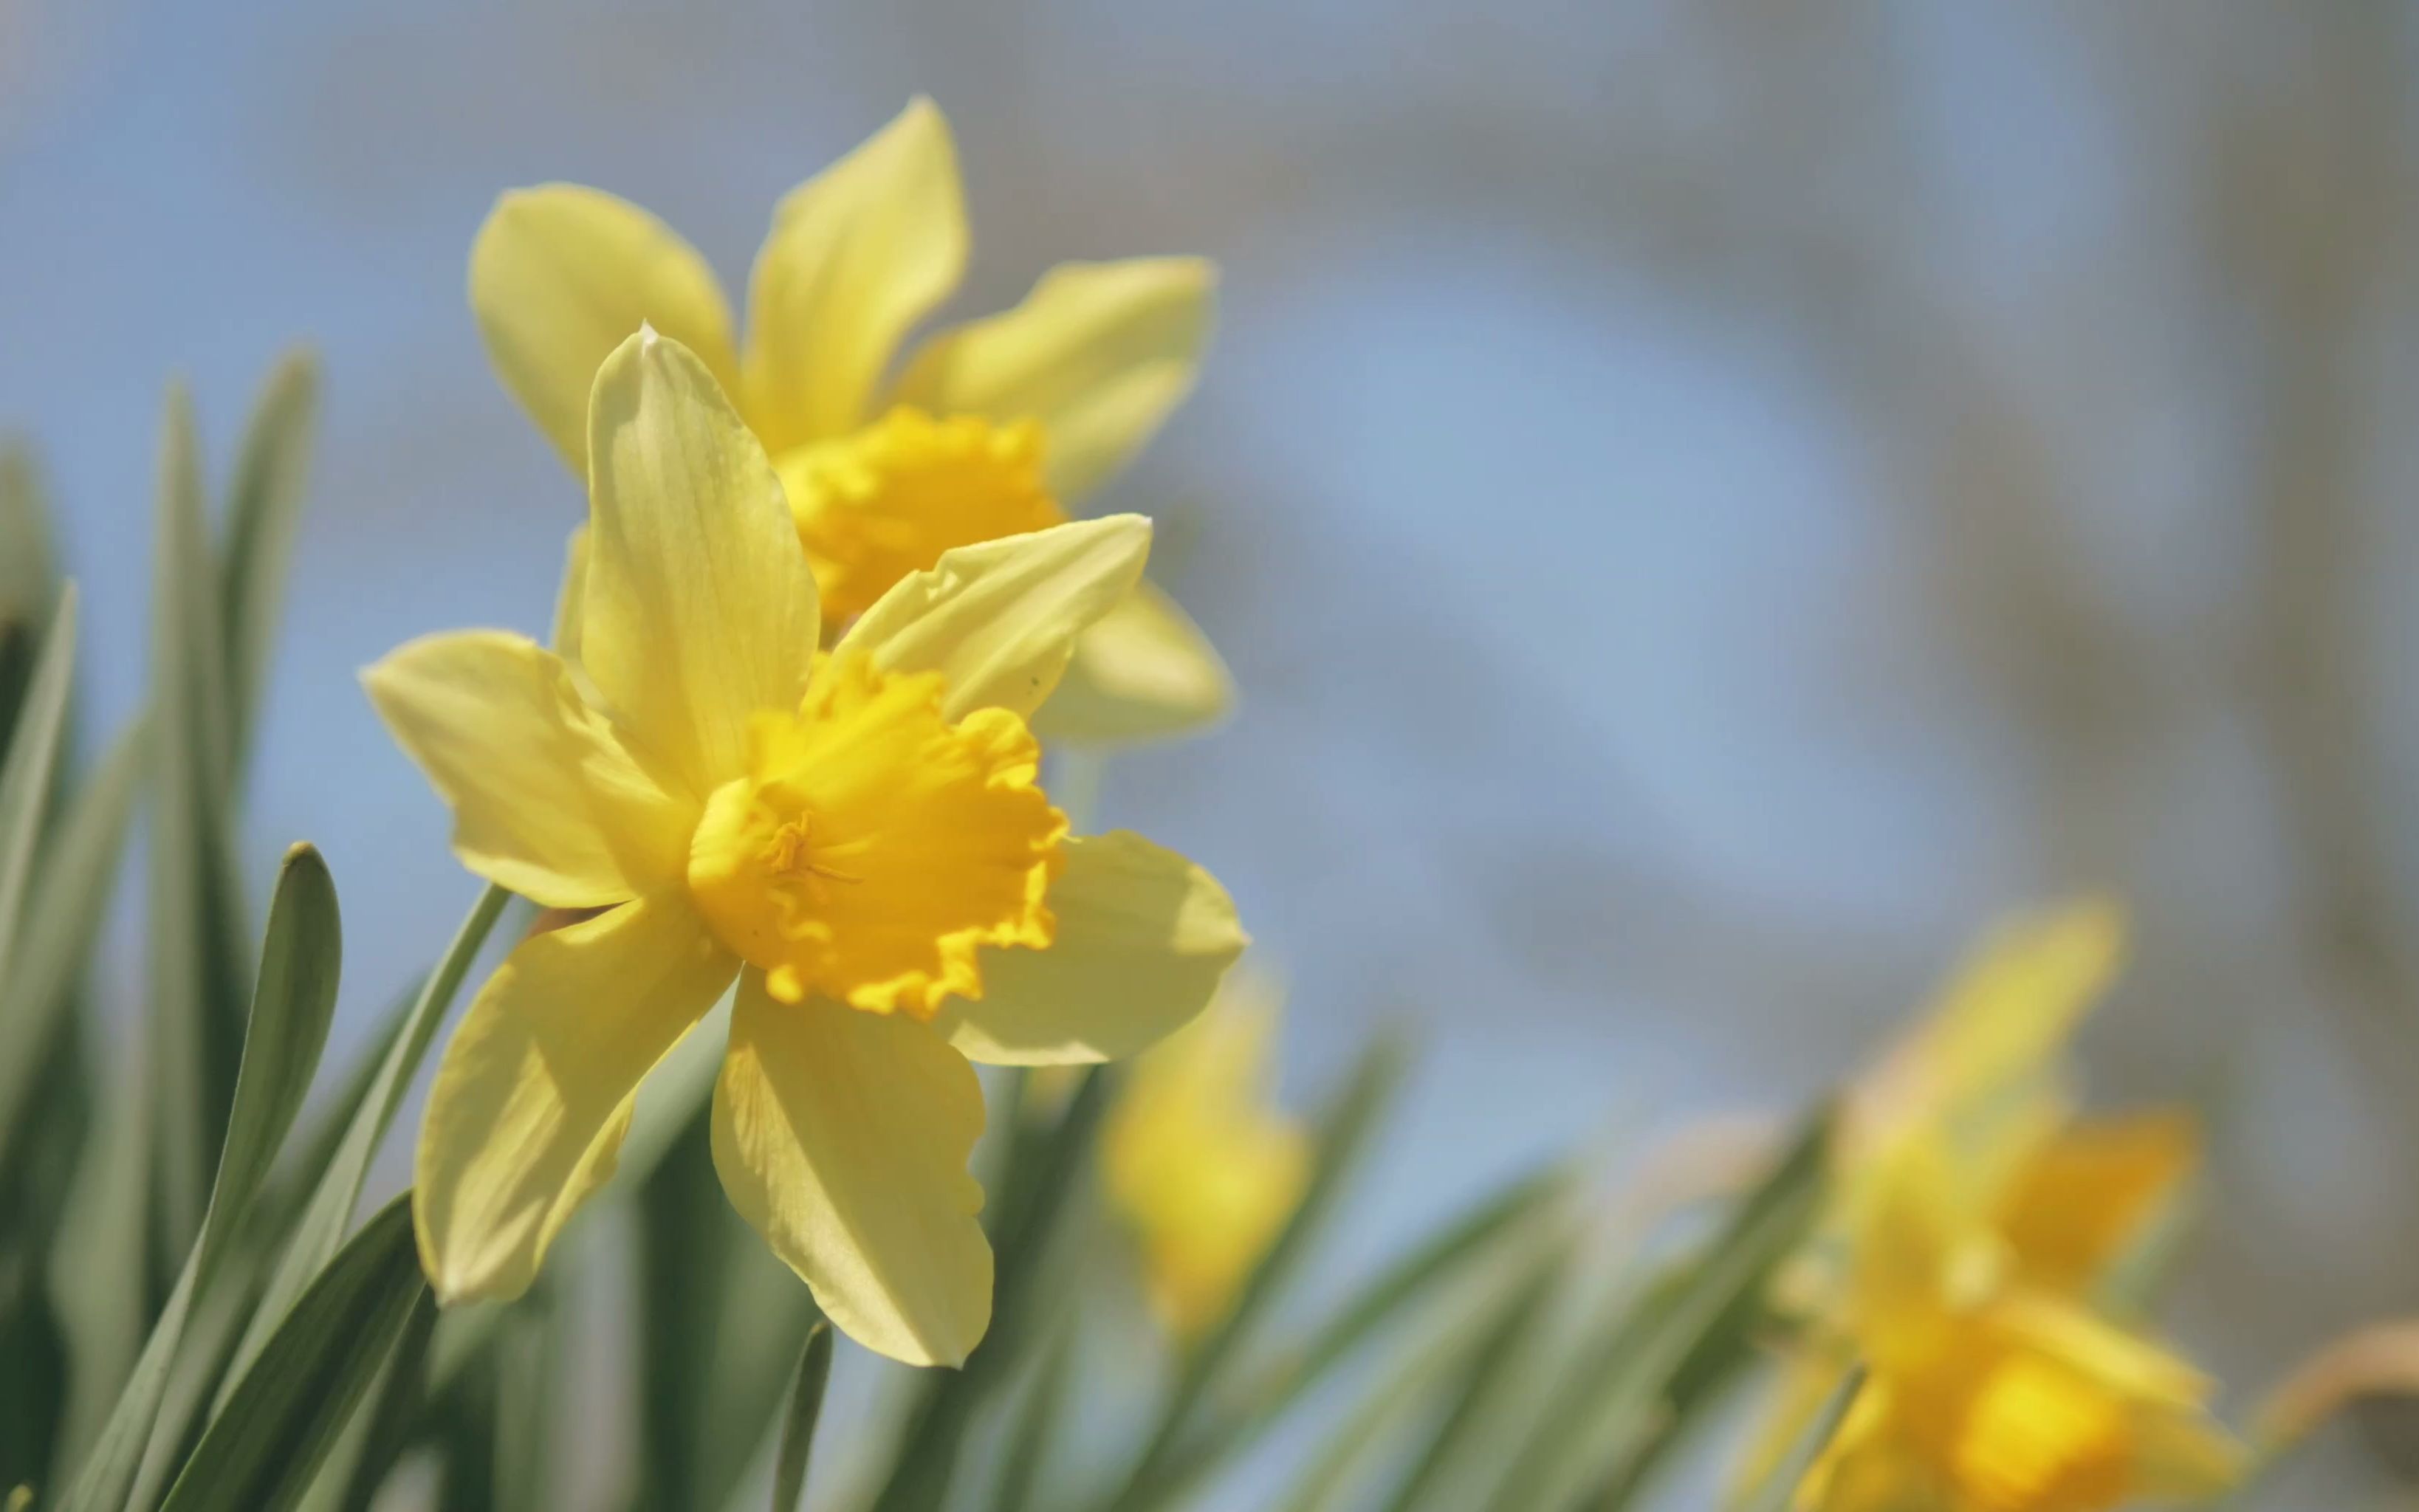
875 847
2039 1436
888 500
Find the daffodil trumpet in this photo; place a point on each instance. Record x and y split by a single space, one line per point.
854 834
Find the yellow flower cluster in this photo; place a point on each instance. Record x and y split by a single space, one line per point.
786 745
1978 1222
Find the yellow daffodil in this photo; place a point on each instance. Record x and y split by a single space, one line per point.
1199 1162
856 836
1976 1218
994 428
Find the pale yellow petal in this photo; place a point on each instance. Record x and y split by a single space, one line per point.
1142 671
571 601
844 1135
545 800
534 1092
1098 352
856 257
2089 1193
999 620
1199 1161
560 275
1144 938
1985 1056
701 612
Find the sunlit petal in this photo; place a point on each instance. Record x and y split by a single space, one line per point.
701 612
1144 937
560 275
533 1095
856 257
999 620
844 1135
545 800
1098 352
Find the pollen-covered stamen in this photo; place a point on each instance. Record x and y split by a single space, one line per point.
790 853
885 500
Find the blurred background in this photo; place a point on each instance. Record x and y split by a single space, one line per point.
1707 502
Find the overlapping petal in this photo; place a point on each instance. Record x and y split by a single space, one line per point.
560 275
700 610
844 1135
856 257
1098 352
533 1095
545 801
999 620
1142 671
1144 938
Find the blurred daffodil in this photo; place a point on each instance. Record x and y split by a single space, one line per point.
1200 1163
993 428
1977 1220
856 836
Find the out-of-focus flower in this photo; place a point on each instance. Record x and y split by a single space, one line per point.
989 429
1976 1221
1199 1161
857 837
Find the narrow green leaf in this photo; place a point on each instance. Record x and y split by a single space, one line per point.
380 1435
292 1007
1400 1392
261 1453
338 1188
526 1354
721 1322
78 864
30 582
1503 1349
198 981
927 1452
1778 1492
1397 1292
99 1268
1345 1134
25 774
798 1429
264 510
288 1026
1036 1426
1673 1339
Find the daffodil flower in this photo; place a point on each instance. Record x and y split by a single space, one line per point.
994 428
1200 1164
1975 1220
856 836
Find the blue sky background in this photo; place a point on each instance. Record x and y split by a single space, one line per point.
1623 699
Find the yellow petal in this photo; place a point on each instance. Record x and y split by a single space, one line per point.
856 257
999 620
545 801
1200 1162
1098 352
2087 1194
1985 1056
571 601
533 1095
843 1136
1143 671
701 612
560 275
1144 938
